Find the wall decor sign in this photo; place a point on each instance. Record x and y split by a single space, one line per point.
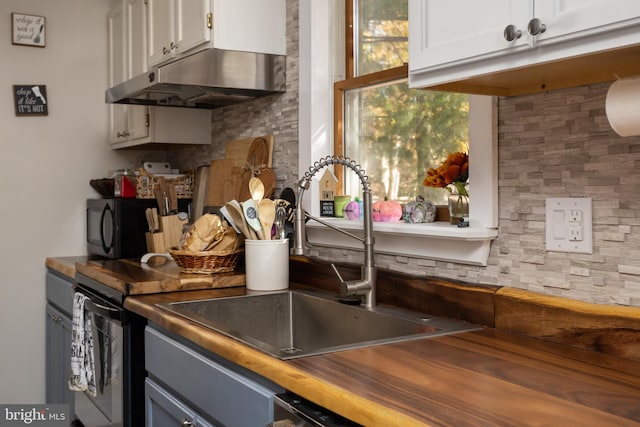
28 30
30 100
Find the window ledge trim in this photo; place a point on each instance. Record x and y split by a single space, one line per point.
438 241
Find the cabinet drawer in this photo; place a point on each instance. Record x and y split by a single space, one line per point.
163 409
60 293
222 393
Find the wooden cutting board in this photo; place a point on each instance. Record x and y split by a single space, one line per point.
133 278
238 149
222 186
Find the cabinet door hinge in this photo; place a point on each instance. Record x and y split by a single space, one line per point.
146 120
210 20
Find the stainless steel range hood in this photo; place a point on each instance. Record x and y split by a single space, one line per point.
208 79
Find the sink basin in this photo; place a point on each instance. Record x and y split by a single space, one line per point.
292 324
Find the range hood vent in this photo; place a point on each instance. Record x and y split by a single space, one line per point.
208 79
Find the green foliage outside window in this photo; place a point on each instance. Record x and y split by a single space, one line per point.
397 133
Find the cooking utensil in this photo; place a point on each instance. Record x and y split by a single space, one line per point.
266 214
280 218
256 189
289 196
236 216
251 215
156 221
147 213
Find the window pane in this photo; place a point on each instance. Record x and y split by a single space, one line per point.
397 134
381 35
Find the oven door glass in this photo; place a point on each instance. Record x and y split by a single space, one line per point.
107 335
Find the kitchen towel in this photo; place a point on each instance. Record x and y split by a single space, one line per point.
623 106
82 364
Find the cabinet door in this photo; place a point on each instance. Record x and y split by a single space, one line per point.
569 19
137 34
192 29
117 71
440 35
161 28
58 349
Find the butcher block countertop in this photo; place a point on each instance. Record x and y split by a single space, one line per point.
487 377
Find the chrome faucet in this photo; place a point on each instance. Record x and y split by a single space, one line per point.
366 286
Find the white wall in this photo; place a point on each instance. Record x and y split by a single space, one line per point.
45 167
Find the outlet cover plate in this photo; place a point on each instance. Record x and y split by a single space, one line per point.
561 224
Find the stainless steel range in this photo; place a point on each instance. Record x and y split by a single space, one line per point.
118 353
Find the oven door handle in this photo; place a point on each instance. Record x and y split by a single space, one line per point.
103 310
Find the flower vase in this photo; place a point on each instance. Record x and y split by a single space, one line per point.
458 208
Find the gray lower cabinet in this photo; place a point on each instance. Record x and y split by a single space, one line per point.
188 384
59 292
164 409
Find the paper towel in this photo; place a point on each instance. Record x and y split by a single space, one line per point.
623 106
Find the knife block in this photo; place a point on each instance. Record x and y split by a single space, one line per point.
155 243
171 228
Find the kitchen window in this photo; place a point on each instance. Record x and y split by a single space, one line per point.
395 133
322 62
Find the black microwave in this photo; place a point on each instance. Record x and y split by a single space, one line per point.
116 227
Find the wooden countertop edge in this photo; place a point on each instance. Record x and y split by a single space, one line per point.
569 304
337 399
608 329
64 265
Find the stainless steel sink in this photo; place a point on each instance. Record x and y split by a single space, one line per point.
291 324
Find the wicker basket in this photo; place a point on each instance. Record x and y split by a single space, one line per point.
147 183
206 262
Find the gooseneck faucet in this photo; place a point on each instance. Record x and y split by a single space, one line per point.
366 286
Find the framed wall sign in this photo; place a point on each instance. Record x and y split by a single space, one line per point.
28 30
30 100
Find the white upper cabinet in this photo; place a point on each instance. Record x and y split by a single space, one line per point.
440 34
135 125
182 27
509 47
574 19
177 26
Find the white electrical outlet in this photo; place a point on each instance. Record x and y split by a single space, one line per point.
575 234
569 225
575 215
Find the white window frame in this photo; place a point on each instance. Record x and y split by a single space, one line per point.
439 240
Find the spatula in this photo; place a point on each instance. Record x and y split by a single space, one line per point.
251 215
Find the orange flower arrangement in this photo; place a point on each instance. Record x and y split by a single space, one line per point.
454 170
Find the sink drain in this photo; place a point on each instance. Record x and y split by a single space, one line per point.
290 350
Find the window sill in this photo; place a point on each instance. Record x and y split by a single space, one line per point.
439 241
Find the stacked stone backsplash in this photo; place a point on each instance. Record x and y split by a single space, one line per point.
555 144
272 115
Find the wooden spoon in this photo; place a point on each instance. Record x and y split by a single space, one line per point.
256 189
267 213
